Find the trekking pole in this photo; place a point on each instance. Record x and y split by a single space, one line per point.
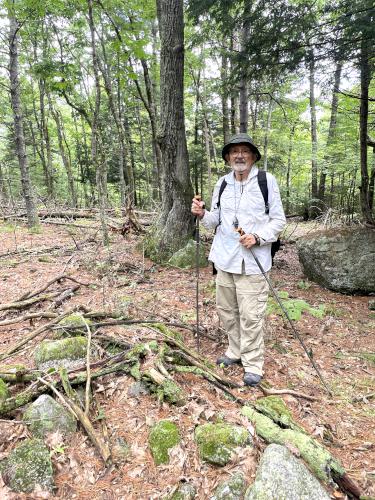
197 241
294 330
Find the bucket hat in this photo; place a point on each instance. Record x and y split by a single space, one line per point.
241 139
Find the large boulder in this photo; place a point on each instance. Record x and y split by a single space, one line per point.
27 466
340 259
46 415
281 476
217 442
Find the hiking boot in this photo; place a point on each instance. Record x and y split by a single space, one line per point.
224 360
252 379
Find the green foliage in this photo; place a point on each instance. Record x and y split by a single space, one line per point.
294 307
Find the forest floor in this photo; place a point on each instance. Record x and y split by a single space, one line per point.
122 280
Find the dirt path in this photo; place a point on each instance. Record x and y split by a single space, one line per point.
120 279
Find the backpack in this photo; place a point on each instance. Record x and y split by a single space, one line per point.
262 182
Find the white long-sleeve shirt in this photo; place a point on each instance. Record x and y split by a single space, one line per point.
226 252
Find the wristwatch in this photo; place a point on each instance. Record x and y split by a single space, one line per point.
257 239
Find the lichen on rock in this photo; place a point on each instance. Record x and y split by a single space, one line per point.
321 462
186 256
54 352
281 476
47 415
4 391
74 324
163 436
231 489
186 491
216 442
28 465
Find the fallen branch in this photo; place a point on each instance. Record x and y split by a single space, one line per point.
34 334
76 411
27 317
276 392
60 277
26 303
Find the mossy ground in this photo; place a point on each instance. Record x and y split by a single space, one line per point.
4 391
294 307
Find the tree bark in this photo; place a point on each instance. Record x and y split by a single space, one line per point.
224 96
314 139
176 222
268 126
363 121
101 177
331 130
32 217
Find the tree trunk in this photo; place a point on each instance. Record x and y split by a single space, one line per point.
32 216
363 113
64 156
176 222
314 139
289 167
268 127
331 130
224 96
3 188
99 165
244 90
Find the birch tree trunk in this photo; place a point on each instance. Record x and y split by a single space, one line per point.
314 139
32 216
268 127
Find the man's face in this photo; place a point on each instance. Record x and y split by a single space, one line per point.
240 157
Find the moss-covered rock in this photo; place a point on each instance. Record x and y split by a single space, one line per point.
321 462
186 256
216 442
28 465
163 436
74 324
171 392
47 415
281 476
276 409
4 391
232 489
56 351
186 491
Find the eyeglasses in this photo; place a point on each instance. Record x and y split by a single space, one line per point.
243 152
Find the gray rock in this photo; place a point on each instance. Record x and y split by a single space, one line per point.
186 491
216 442
232 489
281 476
47 415
138 389
28 465
186 256
340 259
65 352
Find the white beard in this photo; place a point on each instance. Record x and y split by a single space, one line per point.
240 167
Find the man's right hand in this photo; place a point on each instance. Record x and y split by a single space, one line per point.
197 208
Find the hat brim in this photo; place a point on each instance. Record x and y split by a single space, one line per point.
253 148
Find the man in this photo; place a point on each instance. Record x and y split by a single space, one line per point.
241 289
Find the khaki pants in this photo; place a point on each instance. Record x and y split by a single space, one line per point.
241 303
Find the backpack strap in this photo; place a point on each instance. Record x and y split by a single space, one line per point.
262 181
222 187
